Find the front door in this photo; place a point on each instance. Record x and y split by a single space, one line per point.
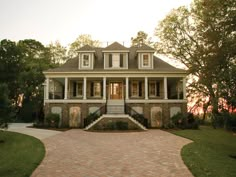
116 90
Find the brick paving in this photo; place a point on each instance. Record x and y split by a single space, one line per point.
77 153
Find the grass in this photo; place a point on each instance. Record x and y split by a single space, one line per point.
210 155
19 154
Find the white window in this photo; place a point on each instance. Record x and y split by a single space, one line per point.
145 60
97 89
134 89
85 60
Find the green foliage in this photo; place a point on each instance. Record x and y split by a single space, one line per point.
82 40
20 154
141 38
6 112
224 120
211 152
52 119
184 121
57 53
203 38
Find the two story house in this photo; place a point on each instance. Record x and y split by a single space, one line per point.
118 79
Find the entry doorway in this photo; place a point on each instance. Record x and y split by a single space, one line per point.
116 90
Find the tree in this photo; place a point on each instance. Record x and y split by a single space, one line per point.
11 65
141 38
57 53
5 109
36 59
82 40
203 38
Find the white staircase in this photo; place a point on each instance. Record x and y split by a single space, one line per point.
115 107
113 116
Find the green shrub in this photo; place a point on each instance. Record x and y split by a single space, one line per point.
185 121
122 125
53 119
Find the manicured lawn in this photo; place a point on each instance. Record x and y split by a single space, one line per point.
19 154
209 154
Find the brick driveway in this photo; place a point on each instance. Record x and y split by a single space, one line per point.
77 153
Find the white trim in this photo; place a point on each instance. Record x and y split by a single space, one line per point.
47 88
146 88
165 88
127 88
75 101
104 101
104 88
84 90
115 51
184 88
155 101
66 88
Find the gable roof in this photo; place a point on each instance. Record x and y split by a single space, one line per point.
86 48
115 46
159 65
144 47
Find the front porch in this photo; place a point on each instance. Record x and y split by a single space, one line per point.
156 99
129 88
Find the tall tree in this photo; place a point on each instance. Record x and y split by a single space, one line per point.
82 40
36 59
5 108
203 38
11 64
58 53
141 38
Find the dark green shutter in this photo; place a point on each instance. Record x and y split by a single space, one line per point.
110 60
157 88
140 88
91 89
74 89
121 60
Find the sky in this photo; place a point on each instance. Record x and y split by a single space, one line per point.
64 20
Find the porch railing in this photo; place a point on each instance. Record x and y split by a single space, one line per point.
134 114
94 116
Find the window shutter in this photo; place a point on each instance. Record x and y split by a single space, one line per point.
74 89
110 60
121 60
157 88
140 88
91 89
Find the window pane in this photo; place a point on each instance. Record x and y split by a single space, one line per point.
134 89
79 89
97 89
152 89
85 60
145 60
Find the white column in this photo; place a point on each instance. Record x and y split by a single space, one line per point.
47 88
84 90
127 88
184 88
165 88
146 88
104 88
66 88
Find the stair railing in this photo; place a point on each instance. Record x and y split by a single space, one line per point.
135 115
95 115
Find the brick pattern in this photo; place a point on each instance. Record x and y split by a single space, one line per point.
135 154
146 110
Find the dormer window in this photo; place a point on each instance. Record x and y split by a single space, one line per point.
85 58
146 60
116 60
